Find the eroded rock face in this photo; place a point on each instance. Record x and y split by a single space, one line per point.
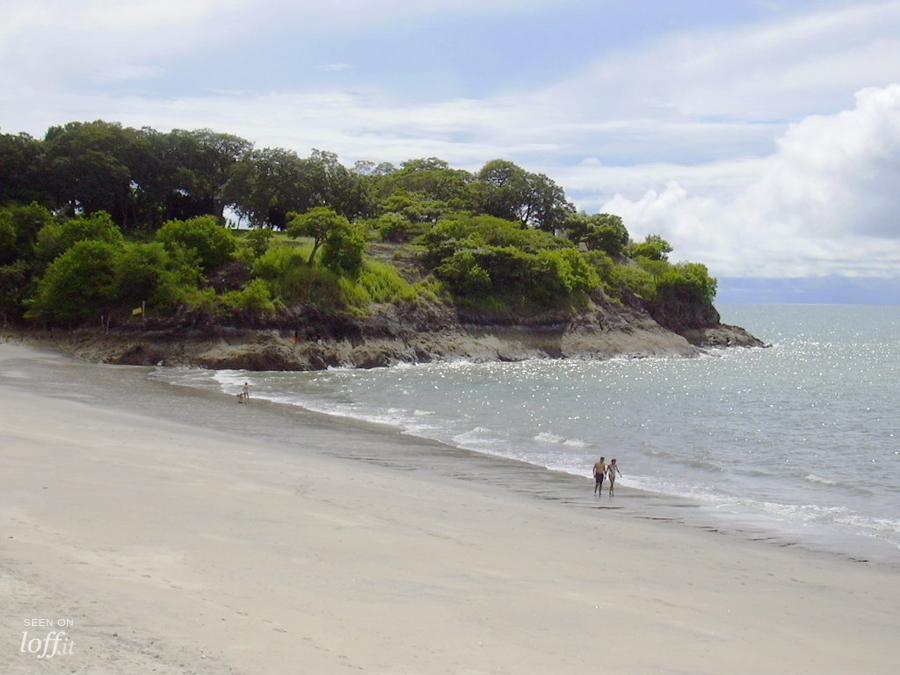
306 339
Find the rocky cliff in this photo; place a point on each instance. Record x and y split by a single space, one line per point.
306 339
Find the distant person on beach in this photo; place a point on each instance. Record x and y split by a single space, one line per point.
245 392
611 472
599 473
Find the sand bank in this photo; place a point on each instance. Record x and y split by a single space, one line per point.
173 549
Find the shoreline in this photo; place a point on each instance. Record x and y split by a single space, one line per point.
702 512
185 570
454 460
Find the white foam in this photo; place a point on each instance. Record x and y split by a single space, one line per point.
813 478
547 437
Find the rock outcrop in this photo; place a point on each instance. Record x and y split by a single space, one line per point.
307 339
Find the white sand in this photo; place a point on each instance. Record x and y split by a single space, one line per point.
177 551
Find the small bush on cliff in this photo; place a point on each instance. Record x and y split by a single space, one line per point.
254 299
687 283
277 261
631 278
383 283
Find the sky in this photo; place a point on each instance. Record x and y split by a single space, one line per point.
760 137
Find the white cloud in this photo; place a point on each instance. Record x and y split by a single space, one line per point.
774 71
826 202
45 43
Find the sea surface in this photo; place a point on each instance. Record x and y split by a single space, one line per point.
801 439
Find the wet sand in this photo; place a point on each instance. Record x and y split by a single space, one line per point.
289 542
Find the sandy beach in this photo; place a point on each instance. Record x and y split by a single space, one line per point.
167 547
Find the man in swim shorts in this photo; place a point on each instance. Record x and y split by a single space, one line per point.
599 473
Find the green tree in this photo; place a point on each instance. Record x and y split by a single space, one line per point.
204 237
507 191
187 172
266 185
95 166
23 170
80 284
26 222
430 177
599 232
337 187
318 223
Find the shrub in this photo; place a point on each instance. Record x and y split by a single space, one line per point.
14 284
383 283
688 282
54 239
311 285
148 272
258 240
277 261
343 251
140 271
464 274
634 279
25 223
396 227
547 277
203 237
79 284
200 301
255 299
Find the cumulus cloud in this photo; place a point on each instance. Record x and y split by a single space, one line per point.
826 202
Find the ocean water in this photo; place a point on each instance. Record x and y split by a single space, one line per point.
801 439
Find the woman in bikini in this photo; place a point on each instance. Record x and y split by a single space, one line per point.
611 472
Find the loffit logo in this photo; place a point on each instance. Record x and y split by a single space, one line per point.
47 644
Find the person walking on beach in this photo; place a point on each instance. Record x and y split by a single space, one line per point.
599 473
246 392
611 472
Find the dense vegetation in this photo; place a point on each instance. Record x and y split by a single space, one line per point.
97 220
